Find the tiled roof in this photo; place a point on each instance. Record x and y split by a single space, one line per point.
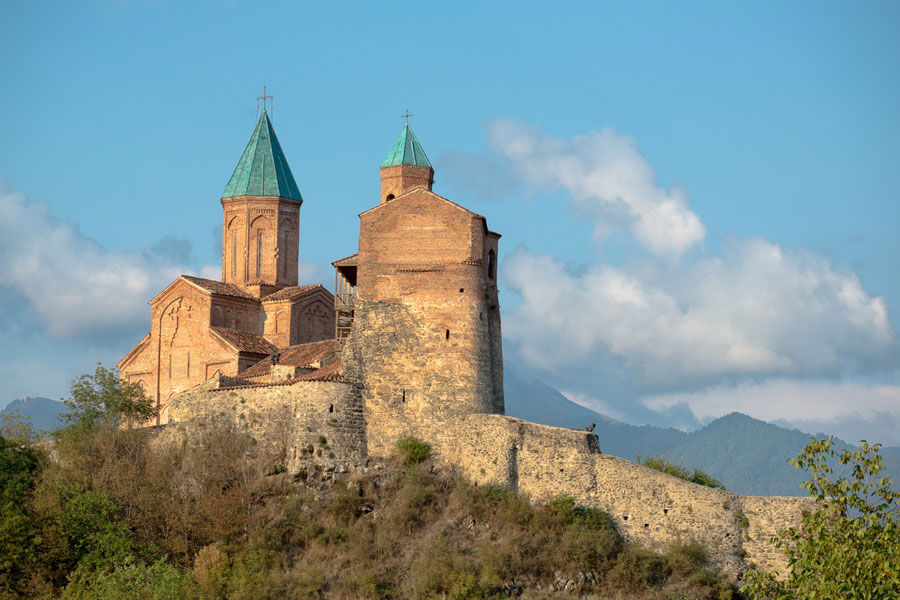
263 170
291 292
244 341
300 355
406 151
347 260
217 287
330 373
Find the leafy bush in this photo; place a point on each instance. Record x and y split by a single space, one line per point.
412 450
129 581
678 470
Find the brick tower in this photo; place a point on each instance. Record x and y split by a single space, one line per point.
425 341
261 235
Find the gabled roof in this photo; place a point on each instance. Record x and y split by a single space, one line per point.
406 151
301 355
263 170
420 190
218 287
243 341
294 291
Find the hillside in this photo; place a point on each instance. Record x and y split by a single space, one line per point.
116 516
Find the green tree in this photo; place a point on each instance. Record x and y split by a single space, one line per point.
849 547
104 398
19 468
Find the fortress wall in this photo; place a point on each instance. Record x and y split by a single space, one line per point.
540 461
765 516
649 507
287 418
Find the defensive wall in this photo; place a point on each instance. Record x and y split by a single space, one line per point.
540 461
290 419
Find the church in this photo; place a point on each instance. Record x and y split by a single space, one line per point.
415 248
409 344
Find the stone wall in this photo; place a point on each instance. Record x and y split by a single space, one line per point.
286 418
649 507
413 378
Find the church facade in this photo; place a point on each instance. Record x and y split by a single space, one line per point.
200 327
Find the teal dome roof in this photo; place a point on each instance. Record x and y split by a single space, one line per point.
263 170
406 151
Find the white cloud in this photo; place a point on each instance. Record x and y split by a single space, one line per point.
72 284
851 410
607 177
757 310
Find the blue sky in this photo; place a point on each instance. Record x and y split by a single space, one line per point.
747 260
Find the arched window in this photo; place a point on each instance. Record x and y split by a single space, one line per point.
259 253
389 197
234 255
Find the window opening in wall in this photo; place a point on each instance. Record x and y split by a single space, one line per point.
665 511
492 264
234 255
331 408
447 335
403 396
389 197
284 251
188 364
461 290
170 366
259 252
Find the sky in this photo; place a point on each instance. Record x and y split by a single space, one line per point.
698 201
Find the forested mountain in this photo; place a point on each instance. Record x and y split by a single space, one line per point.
43 412
747 455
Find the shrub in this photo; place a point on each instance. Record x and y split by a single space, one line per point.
678 470
129 581
412 450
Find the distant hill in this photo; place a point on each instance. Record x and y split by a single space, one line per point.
749 456
43 412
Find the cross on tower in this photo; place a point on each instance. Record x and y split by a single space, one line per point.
264 97
406 116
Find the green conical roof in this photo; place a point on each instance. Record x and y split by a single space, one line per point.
263 170
406 151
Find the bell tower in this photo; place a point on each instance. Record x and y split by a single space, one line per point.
261 228
406 166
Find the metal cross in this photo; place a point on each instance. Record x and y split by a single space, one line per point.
406 116
264 97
